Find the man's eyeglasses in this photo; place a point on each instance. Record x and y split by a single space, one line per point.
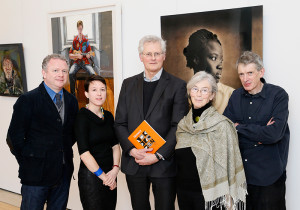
203 91
150 55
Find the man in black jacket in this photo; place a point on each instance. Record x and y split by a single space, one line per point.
41 138
260 113
160 99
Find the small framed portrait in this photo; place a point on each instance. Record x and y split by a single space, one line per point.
12 70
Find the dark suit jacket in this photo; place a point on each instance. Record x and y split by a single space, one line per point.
38 138
168 106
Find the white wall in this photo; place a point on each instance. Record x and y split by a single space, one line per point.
28 23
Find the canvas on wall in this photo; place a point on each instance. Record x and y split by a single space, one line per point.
188 36
12 70
94 39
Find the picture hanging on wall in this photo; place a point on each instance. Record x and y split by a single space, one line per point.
85 38
12 70
212 41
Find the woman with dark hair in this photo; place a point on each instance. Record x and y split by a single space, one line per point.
98 148
205 53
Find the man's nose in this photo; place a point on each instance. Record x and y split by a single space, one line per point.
60 73
245 78
153 57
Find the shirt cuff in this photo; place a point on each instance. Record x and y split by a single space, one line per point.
160 156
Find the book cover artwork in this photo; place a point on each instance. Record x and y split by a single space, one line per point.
146 137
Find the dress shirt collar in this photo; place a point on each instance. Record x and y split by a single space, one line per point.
155 78
52 93
262 93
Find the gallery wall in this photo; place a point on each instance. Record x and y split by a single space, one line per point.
27 22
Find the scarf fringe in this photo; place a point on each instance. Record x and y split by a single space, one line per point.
225 202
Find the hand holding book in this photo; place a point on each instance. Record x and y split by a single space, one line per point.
139 154
148 159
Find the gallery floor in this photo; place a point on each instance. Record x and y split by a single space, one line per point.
9 200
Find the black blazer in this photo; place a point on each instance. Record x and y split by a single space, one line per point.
168 106
38 138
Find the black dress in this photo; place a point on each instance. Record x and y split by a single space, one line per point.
97 136
188 187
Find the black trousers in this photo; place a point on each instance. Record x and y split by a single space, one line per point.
270 197
164 191
93 194
193 200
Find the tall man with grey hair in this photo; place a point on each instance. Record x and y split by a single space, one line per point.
40 136
159 98
260 113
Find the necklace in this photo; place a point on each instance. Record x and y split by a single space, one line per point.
101 108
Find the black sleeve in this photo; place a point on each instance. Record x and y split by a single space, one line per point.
81 131
19 125
180 109
110 119
121 122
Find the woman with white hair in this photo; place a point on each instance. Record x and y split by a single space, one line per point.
210 169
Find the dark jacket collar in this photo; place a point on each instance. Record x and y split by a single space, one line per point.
262 93
47 97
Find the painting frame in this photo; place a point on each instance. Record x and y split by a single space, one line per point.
237 30
13 81
115 8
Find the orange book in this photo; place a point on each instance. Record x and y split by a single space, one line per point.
146 137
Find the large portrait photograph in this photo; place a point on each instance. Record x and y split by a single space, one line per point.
212 41
86 40
12 70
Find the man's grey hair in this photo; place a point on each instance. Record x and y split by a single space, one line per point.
153 39
53 56
200 76
249 57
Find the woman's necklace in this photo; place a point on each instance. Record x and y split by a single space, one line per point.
102 111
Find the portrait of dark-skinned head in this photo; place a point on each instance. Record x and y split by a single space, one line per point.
204 53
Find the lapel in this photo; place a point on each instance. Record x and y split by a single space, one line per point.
51 105
161 86
66 105
139 93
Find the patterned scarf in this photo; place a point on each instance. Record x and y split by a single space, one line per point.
214 142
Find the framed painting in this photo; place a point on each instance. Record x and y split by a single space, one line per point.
12 70
212 41
89 40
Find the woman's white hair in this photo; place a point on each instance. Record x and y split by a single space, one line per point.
153 39
200 76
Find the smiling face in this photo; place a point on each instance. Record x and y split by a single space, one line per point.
96 93
214 59
7 68
201 94
250 77
56 74
152 63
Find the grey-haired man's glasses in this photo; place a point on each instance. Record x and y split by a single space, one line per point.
150 54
